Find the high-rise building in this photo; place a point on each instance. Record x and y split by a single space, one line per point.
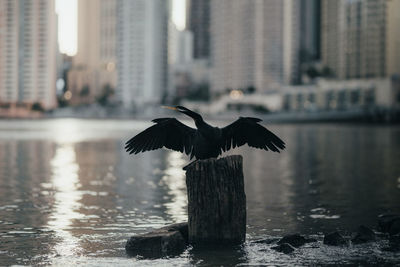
354 38
94 66
289 24
393 37
232 44
309 35
310 30
180 45
28 47
142 51
331 21
180 61
261 43
288 36
198 22
301 37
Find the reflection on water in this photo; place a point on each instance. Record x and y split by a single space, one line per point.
174 179
66 199
70 195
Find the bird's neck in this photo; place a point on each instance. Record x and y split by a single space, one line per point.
199 122
195 116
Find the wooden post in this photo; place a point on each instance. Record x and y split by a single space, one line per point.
217 201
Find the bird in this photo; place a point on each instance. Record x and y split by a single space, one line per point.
206 141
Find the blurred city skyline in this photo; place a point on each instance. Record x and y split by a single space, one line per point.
67 11
264 56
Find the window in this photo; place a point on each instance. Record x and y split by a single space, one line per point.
370 97
286 102
355 97
300 100
341 103
329 100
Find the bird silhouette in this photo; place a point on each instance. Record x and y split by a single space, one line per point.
206 141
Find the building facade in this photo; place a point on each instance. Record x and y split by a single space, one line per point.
341 95
28 48
232 44
354 38
93 69
198 22
180 60
262 43
142 52
393 37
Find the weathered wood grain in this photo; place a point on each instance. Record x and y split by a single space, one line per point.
216 201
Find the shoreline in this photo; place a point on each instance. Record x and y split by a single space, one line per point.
95 112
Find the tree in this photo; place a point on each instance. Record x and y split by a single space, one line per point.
312 72
327 72
85 91
250 90
104 98
37 107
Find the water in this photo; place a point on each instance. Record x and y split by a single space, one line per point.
70 195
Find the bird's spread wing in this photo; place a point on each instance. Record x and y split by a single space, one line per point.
167 132
247 130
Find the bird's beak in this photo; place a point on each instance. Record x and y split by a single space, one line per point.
172 108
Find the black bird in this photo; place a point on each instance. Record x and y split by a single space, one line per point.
206 141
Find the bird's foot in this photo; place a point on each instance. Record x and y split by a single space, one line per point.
187 166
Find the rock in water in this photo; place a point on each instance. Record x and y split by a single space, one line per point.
394 241
284 248
167 241
394 244
334 239
389 223
295 240
363 235
395 227
181 227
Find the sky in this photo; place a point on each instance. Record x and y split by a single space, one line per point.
179 14
67 26
67 22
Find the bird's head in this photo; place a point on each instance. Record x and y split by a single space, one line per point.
186 111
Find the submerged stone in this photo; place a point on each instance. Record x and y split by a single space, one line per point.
180 227
295 240
395 241
334 239
167 241
284 248
395 227
363 235
394 244
389 223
